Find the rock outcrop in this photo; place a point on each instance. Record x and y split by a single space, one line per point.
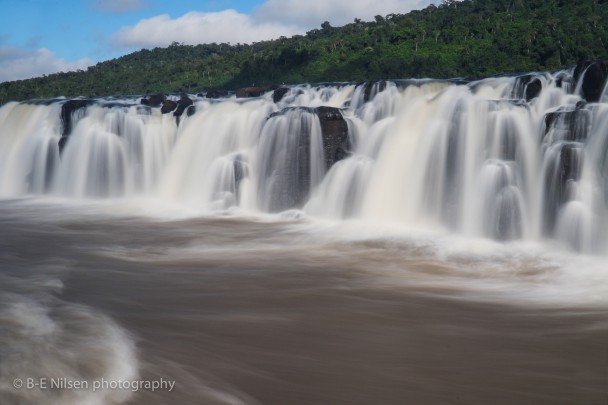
168 106
292 182
183 103
533 88
527 87
67 116
335 134
569 125
566 133
334 129
279 93
370 89
251 92
594 75
216 93
154 100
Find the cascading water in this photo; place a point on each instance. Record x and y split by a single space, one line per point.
289 159
506 158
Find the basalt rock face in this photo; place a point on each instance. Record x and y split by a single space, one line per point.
67 109
183 103
216 93
154 100
293 141
533 88
564 170
594 75
372 88
336 144
279 93
67 114
168 106
566 134
251 92
568 125
527 87
335 134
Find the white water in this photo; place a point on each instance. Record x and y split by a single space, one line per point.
472 158
46 339
461 191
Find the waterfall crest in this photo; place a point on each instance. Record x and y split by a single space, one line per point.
508 158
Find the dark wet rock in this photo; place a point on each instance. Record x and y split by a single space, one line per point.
154 100
566 132
593 76
563 170
216 93
372 88
168 106
291 189
335 134
42 101
291 182
569 125
279 93
183 103
251 92
334 128
69 113
563 77
67 110
533 88
190 111
527 87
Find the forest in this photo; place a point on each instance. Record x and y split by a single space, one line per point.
456 39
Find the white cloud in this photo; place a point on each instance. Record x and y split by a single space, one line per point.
311 13
118 6
197 28
272 19
17 64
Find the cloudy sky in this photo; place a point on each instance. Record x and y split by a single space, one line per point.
47 36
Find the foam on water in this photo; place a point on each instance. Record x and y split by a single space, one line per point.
45 338
538 273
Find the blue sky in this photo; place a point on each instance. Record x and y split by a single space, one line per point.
46 36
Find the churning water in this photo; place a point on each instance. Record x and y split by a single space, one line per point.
411 241
473 158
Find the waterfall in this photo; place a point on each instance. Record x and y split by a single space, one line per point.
508 158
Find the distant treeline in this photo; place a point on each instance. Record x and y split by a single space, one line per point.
471 38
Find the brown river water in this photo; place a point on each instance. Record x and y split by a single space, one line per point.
286 310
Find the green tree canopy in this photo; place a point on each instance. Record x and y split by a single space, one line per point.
470 38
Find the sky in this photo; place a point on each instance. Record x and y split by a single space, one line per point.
47 36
